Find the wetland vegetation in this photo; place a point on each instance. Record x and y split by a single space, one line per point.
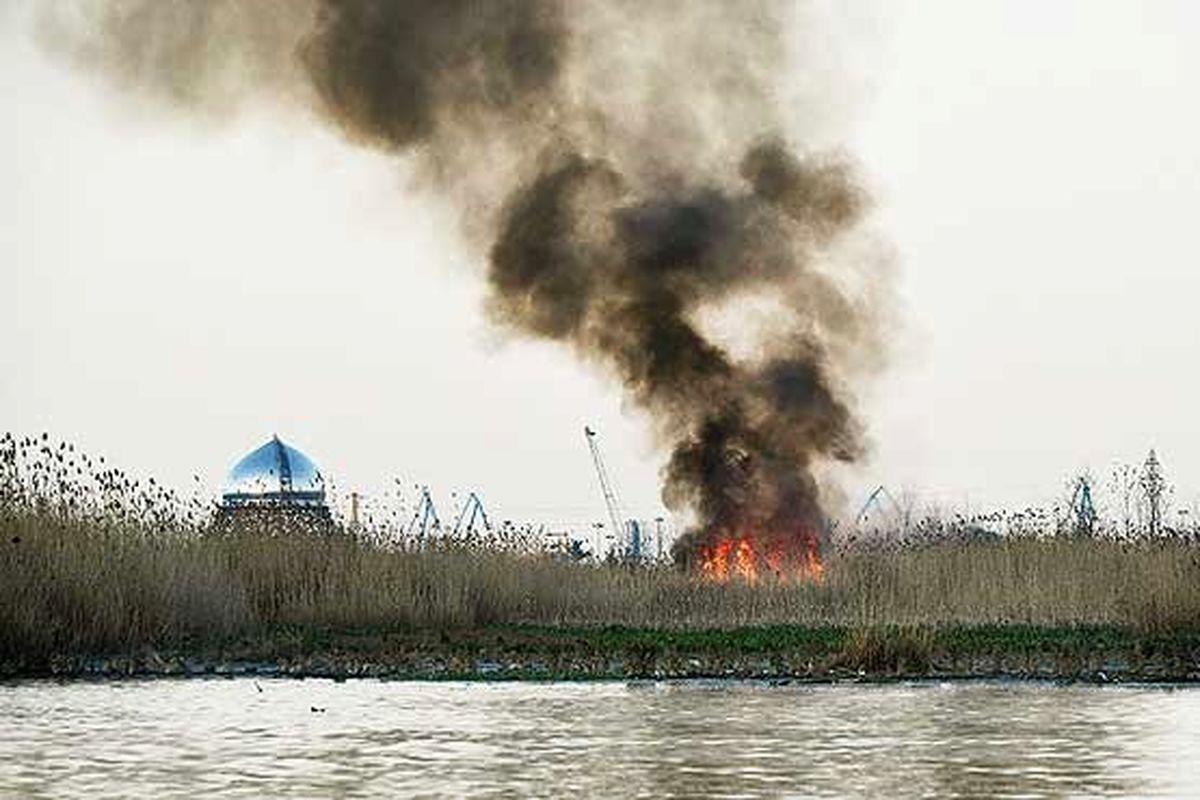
95 565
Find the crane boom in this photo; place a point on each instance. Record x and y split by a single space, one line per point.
606 486
428 516
873 499
475 506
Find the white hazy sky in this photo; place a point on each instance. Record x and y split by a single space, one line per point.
172 294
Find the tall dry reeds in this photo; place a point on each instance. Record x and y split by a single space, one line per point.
68 587
84 573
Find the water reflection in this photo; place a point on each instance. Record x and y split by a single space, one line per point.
226 737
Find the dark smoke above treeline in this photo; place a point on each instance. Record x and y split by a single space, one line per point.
626 168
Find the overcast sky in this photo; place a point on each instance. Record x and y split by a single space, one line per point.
173 293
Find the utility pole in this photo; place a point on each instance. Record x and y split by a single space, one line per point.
1153 485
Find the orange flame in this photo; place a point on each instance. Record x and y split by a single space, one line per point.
742 558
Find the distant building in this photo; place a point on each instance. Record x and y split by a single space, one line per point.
273 484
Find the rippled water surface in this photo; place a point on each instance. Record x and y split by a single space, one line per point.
247 738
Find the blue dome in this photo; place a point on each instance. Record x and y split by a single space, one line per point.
275 473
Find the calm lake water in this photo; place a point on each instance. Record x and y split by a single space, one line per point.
244 738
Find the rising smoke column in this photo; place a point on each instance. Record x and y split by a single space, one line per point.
625 170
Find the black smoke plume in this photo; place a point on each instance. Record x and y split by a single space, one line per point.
629 172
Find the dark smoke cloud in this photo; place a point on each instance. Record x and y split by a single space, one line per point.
394 73
627 165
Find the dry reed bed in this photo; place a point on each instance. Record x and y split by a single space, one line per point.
72 585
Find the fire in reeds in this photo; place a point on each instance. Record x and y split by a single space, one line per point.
744 557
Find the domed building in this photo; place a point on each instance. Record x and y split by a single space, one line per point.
275 482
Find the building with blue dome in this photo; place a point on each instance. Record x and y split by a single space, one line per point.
275 481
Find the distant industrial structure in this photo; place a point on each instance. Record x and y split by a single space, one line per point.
630 542
1153 487
1083 507
276 483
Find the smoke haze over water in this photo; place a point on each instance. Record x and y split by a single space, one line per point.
629 173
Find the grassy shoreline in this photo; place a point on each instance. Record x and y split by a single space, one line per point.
1095 653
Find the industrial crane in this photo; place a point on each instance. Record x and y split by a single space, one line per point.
1083 507
475 506
611 500
427 513
874 500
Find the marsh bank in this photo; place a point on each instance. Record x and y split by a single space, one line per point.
781 652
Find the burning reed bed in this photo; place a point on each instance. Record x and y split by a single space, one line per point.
87 571
83 586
